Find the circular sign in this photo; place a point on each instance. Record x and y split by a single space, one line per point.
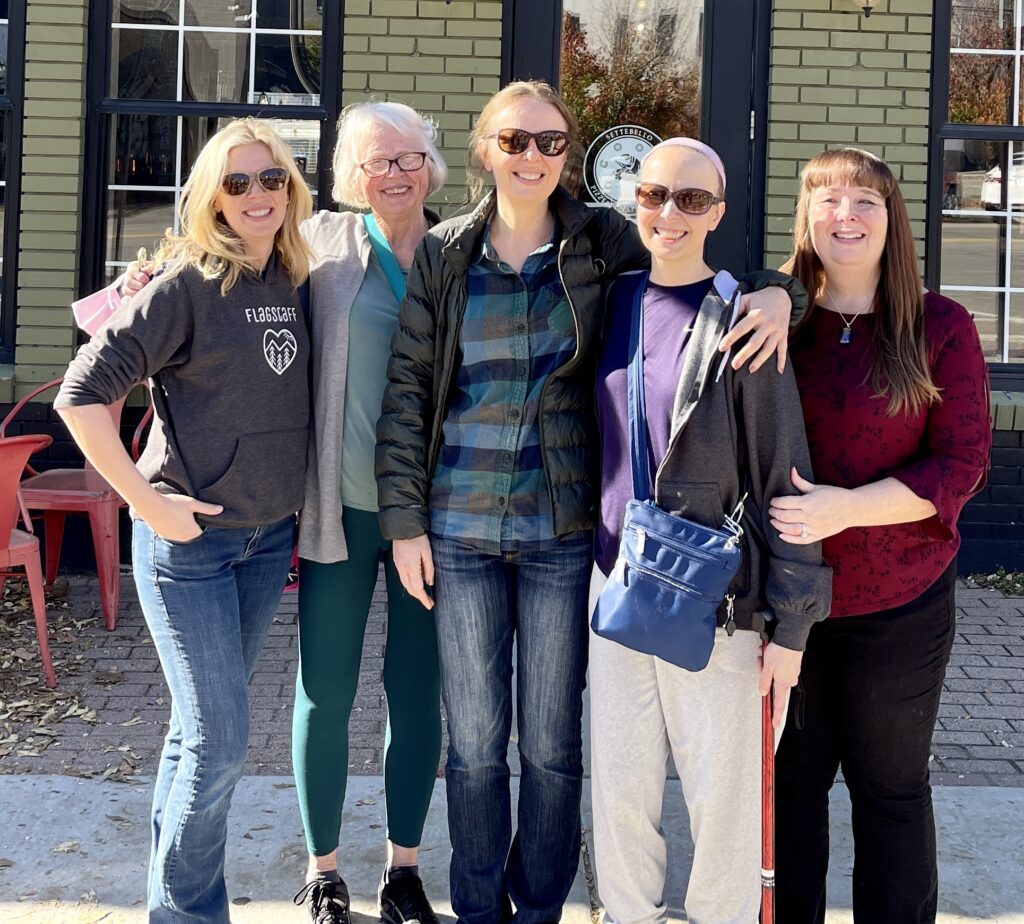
612 165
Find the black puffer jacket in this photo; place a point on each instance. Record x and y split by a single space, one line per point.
597 245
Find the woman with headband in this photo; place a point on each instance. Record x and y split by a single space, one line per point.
739 434
486 462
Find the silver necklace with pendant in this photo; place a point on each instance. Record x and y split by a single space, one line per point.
847 333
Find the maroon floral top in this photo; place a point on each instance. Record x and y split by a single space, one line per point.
940 453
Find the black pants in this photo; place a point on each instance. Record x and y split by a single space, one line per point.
870 697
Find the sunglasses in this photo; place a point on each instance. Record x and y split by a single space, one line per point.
407 163
272 179
516 140
690 201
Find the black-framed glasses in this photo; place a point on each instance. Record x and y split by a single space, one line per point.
550 143
691 201
409 162
271 179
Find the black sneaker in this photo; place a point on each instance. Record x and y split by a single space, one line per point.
401 900
327 897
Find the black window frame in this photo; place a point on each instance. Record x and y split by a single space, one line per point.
1009 376
12 111
100 106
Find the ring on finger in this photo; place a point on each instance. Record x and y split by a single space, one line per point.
803 530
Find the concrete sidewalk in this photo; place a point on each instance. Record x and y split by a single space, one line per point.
74 791
77 850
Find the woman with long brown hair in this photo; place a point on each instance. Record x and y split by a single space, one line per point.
895 395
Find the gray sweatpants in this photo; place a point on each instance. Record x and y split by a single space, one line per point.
642 710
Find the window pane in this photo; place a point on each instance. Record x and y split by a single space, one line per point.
987 311
3 9
982 24
146 12
973 251
1016 339
143 64
287 70
972 176
216 67
231 13
3 147
142 150
136 218
289 14
981 89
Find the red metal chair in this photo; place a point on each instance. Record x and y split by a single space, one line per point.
19 547
59 492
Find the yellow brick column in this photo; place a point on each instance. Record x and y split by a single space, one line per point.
443 59
839 78
51 188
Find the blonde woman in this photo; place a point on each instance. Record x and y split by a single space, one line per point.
223 336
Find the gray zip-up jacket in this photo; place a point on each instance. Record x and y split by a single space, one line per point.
728 425
230 389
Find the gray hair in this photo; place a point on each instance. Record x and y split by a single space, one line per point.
354 127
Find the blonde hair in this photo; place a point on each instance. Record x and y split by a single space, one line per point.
354 127
205 241
522 89
900 370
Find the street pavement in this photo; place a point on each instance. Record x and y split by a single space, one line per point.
74 784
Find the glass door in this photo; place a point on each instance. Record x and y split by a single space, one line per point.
636 71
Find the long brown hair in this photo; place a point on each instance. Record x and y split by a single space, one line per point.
900 371
520 89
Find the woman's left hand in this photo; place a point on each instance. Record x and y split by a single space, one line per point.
818 511
766 313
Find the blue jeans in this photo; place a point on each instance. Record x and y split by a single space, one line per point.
208 604
482 601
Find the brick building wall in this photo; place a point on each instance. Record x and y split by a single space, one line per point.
839 78
443 59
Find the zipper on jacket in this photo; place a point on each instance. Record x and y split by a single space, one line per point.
540 404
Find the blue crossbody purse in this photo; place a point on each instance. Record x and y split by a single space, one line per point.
671 574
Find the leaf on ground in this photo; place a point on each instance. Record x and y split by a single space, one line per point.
5 863
65 847
130 722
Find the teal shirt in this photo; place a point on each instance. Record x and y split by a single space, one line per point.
370 328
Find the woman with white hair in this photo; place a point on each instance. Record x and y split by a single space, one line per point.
385 161
222 335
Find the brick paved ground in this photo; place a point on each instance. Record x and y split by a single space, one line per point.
118 686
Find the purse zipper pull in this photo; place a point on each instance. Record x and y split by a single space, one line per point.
730 622
641 541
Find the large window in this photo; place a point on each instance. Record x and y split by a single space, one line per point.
173 73
11 44
977 179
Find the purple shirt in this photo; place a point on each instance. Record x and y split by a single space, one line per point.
669 314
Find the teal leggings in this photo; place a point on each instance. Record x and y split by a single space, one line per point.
334 602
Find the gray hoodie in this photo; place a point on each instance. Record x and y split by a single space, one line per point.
230 389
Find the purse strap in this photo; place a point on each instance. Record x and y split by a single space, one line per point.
385 256
639 452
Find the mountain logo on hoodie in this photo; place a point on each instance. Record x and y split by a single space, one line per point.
280 349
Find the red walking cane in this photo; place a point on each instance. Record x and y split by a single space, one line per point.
767 809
